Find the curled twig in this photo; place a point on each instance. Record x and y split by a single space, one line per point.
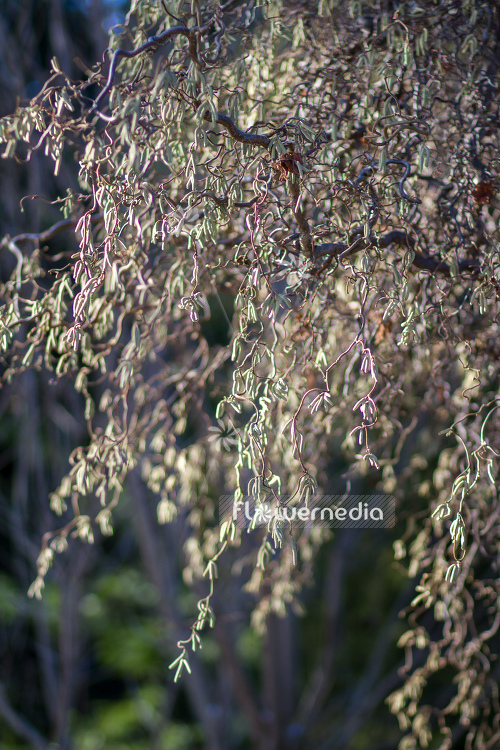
367 170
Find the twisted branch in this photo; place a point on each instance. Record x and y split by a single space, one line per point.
242 136
397 237
152 44
306 242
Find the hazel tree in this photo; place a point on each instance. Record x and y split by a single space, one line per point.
323 179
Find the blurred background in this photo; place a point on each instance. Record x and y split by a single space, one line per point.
87 666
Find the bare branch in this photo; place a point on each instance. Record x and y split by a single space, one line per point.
306 242
396 237
242 136
152 44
